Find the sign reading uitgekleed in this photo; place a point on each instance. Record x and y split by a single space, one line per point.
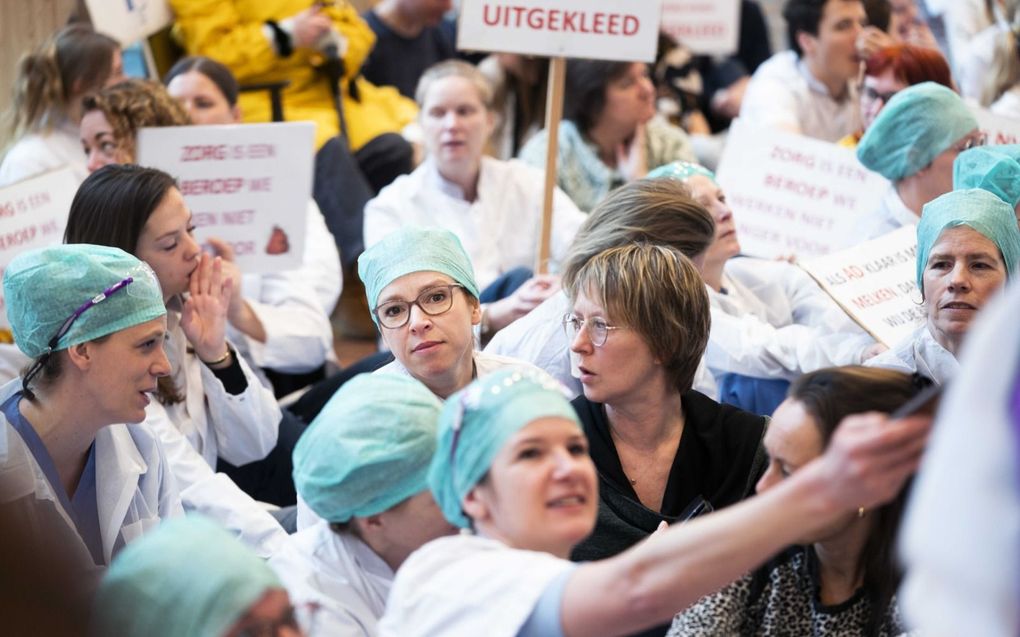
248 184
999 128
600 29
875 283
707 27
33 214
792 194
128 21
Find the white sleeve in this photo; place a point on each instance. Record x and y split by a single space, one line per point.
213 494
246 425
382 215
322 260
750 346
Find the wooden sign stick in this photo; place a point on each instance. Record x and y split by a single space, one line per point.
553 115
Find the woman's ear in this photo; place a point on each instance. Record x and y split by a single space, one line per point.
476 312
235 112
476 504
80 355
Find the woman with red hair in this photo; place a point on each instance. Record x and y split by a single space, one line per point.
892 69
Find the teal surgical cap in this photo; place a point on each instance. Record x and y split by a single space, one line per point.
369 448
991 168
414 250
186 578
917 124
478 420
680 171
977 209
44 287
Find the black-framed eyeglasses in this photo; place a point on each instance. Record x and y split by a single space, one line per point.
65 327
598 329
870 93
433 301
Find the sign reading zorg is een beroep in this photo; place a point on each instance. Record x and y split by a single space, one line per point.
600 29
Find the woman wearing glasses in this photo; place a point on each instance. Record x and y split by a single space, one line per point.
422 292
638 327
93 320
511 464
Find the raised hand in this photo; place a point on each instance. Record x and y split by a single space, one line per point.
204 318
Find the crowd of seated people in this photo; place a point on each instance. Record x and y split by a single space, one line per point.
635 429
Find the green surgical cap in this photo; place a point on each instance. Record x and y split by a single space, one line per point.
977 209
187 578
478 420
414 250
44 287
369 448
680 171
991 168
916 125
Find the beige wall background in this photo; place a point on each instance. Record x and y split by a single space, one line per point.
25 24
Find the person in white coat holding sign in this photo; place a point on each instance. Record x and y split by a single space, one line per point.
968 246
93 321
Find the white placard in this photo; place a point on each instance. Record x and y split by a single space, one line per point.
875 283
600 29
792 194
1000 129
128 21
248 184
707 27
33 214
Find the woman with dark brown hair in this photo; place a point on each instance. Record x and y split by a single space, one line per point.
844 581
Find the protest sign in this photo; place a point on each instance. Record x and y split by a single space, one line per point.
128 21
706 27
600 29
792 194
998 128
33 214
248 184
875 282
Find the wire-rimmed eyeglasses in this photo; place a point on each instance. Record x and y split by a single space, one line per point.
433 301
598 329
65 327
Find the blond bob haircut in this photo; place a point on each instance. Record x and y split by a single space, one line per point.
454 68
134 104
657 211
657 292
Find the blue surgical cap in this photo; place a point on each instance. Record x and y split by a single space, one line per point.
917 124
991 168
186 578
414 250
44 287
680 171
369 448
478 420
977 209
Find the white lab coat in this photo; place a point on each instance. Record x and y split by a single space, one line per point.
782 94
134 485
959 534
213 423
467 585
920 353
775 322
294 307
538 338
37 153
341 574
499 230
